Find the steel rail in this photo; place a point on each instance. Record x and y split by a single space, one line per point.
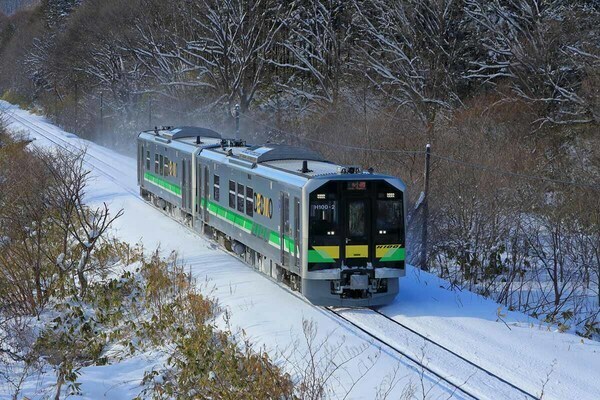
455 354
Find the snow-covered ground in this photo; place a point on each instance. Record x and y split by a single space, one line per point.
520 349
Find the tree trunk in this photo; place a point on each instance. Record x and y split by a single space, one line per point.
555 284
81 274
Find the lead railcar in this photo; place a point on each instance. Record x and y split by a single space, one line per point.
332 232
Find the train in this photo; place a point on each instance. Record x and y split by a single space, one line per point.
335 233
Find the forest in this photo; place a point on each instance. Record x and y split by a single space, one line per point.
506 92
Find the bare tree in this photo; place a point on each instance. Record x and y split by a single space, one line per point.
413 51
75 220
220 45
316 50
323 366
545 55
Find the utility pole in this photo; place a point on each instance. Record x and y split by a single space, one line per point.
237 121
425 205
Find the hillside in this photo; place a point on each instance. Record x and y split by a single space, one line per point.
506 93
527 352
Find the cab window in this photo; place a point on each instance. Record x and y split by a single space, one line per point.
323 217
356 218
390 219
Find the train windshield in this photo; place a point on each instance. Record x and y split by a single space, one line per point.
323 217
389 218
356 224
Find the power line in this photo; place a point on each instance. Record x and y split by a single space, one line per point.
448 159
345 146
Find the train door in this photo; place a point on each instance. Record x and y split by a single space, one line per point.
284 228
184 174
206 194
356 231
140 167
186 181
296 228
198 189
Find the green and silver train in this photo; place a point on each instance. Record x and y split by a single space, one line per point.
334 233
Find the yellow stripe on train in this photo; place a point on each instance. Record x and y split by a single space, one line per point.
357 251
382 249
328 251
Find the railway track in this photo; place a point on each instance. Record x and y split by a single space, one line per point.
66 145
465 375
480 388
491 374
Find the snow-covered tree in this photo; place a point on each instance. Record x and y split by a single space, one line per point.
56 11
548 54
316 50
414 52
219 45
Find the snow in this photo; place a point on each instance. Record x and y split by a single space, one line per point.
520 349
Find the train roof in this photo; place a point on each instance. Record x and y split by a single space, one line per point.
279 158
184 138
269 159
277 152
193 131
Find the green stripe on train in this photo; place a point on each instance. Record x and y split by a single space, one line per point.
168 186
398 254
243 222
316 257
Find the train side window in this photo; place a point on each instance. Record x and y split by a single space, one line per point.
162 165
147 160
240 198
216 188
167 167
249 201
156 168
232 194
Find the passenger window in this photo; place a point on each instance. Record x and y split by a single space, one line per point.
240 198
249 201
232 194
167 167
156 167
162 165
148 160
216 188
356 218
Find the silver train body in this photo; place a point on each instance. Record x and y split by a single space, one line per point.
332 232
